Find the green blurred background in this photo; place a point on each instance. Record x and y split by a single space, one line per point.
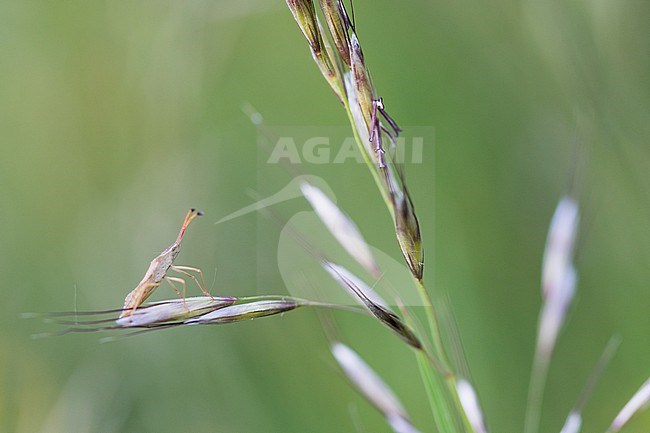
117 116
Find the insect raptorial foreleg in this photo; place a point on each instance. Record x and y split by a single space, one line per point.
183 270
180 281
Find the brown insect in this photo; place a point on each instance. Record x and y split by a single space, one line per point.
158 271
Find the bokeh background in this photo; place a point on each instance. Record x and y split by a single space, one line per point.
117 116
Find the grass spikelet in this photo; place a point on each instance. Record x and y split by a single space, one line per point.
247 311
407 226
365 91
342 227
373 302
173 311
373 388
358 120
338 23
305 15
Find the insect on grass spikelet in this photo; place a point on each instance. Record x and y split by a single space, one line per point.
157 272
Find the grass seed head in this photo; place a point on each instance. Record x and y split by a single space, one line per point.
247 311
373 303
407 227
339 25
305 15
365 92
357 115
173 311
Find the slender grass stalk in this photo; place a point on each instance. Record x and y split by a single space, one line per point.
365 112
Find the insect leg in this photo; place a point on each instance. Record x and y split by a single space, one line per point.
181 281
183 270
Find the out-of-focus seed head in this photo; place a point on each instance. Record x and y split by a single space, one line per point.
368 382
559 276
554 313
371 386
354 285
342 227
638 402
401 425
338 23
469 401
559 245
573 423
